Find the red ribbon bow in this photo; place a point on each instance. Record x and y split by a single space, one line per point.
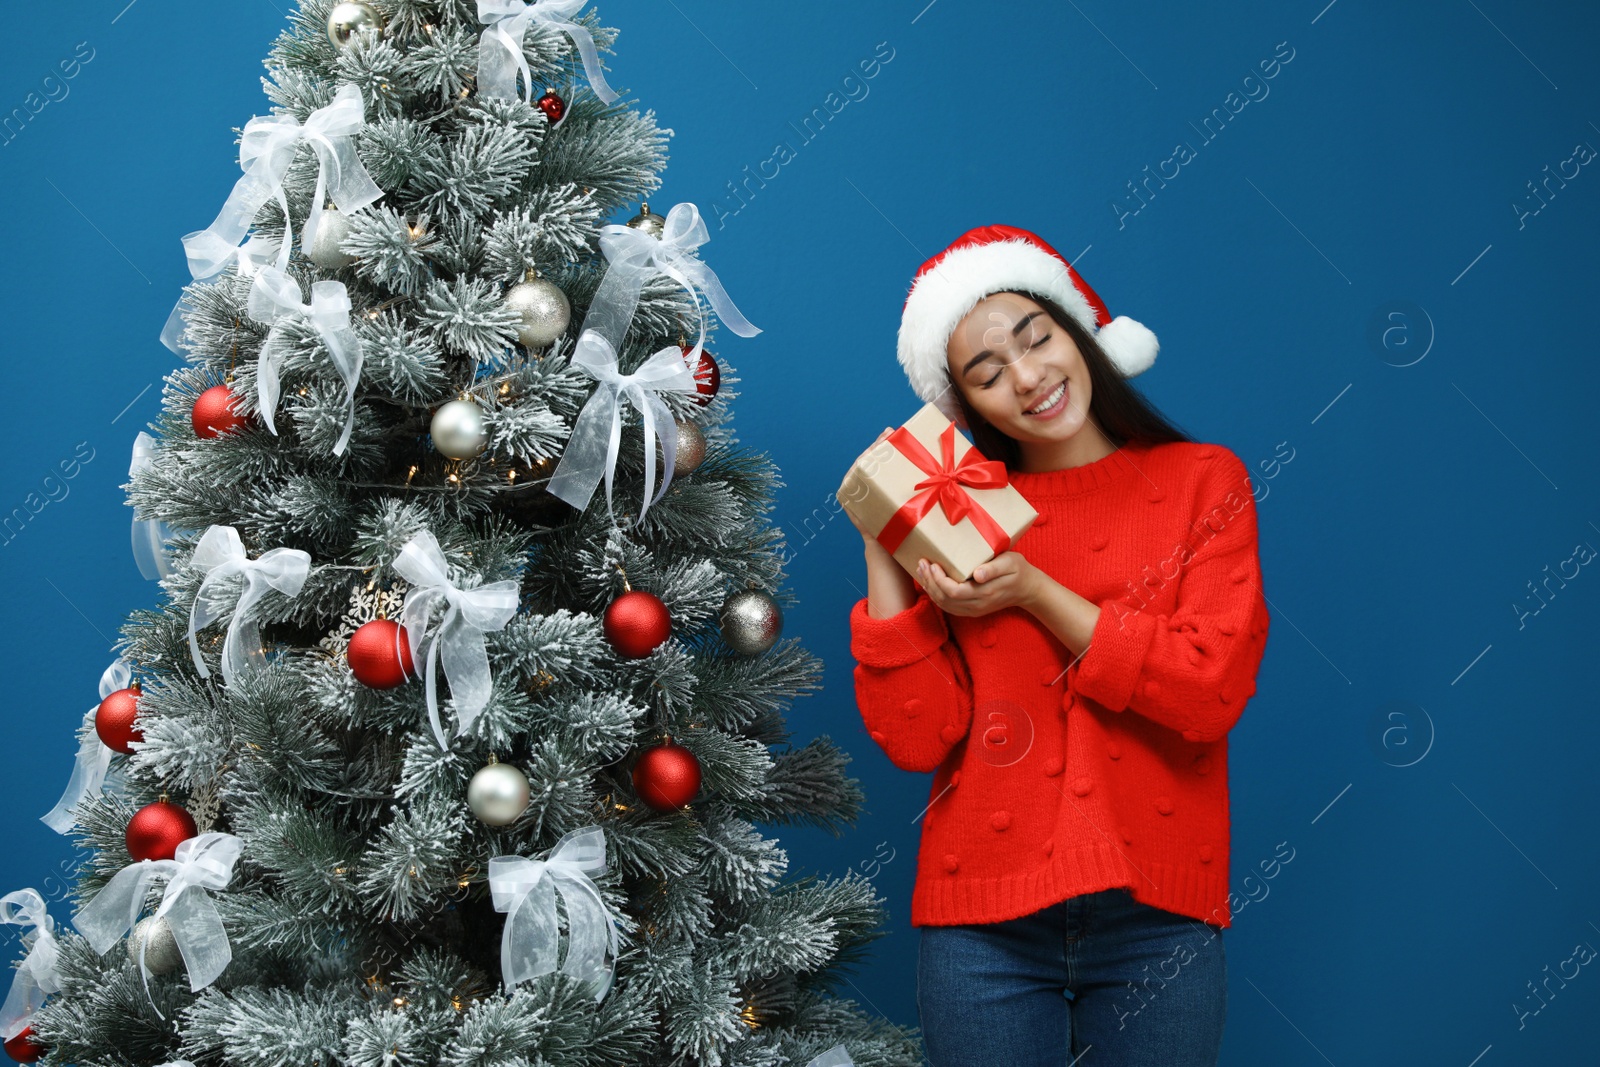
945 486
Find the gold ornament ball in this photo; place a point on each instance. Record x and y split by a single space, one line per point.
332 229
751 622
161 953
543 308
691 449
351 17
652 224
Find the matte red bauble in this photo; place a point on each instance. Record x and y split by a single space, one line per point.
636 623
380 655
156 830
707 375
667 776
113 720
23 1048
553 106
213 413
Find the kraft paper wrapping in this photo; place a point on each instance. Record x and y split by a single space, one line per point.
883 479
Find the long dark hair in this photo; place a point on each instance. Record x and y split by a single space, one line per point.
1121 410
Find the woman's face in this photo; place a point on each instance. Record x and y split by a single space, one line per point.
1011 361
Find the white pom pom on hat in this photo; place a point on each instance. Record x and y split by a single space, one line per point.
990 259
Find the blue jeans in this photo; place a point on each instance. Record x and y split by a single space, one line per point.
1098 980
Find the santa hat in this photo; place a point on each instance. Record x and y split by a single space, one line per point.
987 260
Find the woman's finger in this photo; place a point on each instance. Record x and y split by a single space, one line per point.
1009 562
953 590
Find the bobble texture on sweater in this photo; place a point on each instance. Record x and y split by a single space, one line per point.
1056 776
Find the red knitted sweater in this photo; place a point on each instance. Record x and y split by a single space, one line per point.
1054 778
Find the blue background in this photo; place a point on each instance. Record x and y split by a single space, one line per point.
1423 744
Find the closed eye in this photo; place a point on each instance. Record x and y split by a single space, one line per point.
997 373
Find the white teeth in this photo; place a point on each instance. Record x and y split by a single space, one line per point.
1052 399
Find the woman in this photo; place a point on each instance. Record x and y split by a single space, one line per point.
1073 697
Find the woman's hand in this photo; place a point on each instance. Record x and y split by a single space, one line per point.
1006 581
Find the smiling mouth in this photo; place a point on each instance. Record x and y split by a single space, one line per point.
1057 395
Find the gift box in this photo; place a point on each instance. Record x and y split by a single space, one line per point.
924 491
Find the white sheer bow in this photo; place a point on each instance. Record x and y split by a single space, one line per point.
500 56
200 864
37 976
89 772
250 257
597 434
456 640
266 149
634 254
275 300
149 536
221 555
526 889
837 1056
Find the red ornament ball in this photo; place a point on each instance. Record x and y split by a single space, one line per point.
213 413
23 1048
113 720
636 623
156 830
380 655
667 776
554 108
707 376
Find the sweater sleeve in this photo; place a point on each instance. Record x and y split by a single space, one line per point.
1192 670
912 685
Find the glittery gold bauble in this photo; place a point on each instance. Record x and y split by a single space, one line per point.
691 449
751 622
161 953
351 17
651 224
544 309
332 229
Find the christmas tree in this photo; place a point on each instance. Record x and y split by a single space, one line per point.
432 751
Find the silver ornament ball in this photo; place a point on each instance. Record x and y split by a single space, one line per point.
498 794
544 310
751 622
351 17
161 953
691 449
652 224
332 229
458 430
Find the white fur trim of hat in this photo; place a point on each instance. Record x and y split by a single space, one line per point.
991 259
